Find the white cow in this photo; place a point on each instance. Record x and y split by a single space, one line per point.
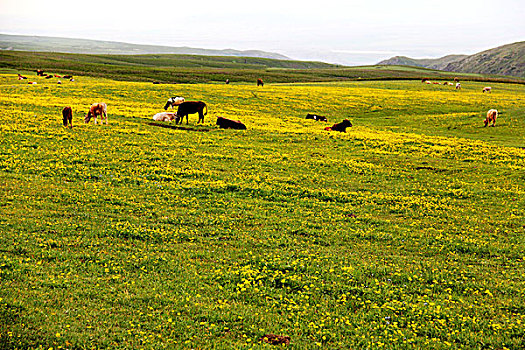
173 101
166 117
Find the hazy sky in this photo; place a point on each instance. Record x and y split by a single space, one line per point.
346 31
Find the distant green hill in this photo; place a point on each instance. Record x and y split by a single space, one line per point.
54 44
432 63
204 69
504 60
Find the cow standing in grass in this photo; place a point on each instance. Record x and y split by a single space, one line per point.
67 117
172 102
97 109
191 107
492 115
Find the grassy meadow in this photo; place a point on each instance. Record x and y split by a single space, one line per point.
405 232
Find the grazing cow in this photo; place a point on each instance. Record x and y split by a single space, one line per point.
458 86
428 82
67 117
225 123
424 80
316 117
340 126
173 101
40 72
227 81
21 77
67 76
260 82
49 76
492 115
32 82
97 109
487 89
57 76
191 107
436 82
456 80
166 117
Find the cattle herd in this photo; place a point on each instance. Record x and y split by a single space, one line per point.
185 108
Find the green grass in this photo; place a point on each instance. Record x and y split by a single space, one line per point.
204 69
407 232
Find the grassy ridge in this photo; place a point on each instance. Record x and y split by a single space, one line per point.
406 232
203 69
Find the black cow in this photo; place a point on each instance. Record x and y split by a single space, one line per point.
67 117
340 126
225 123
260 82
316 117
191 107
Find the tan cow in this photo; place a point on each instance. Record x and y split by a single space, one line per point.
492 115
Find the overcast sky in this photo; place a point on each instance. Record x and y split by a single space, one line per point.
346 31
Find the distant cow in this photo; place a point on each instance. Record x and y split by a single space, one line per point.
166 117
428 82
456 80
492 115
67 77
40 72
97 109
67 117
340 126
487 89
458 86
260 82
173 101
49 76
225 123
227 81
21 77
316 117
424 79
191 107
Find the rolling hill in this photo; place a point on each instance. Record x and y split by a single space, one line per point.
85 46
203 69
503 60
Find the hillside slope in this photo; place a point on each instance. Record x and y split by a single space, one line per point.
503 60
432 63
68 45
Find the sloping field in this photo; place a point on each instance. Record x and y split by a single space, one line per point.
206 69
406 232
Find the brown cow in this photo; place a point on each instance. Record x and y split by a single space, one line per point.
67 117
191 107
492 115
97 109
225 123
340 126
260 82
